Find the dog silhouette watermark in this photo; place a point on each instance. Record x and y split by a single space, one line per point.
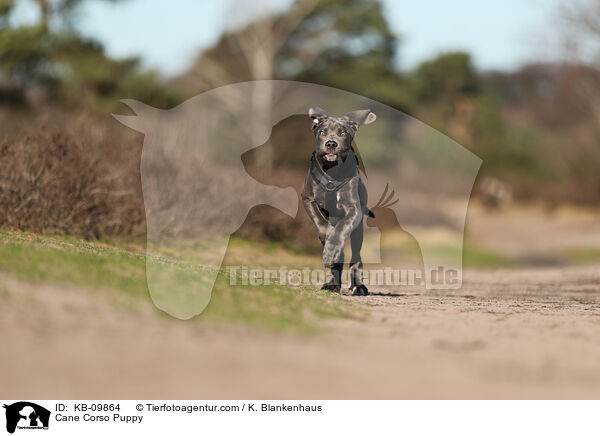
26 415
197 191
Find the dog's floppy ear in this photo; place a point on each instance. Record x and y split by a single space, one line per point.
361 117
317 115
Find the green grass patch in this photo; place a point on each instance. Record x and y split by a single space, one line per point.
109 267
582 255
479 257
38 259
473 255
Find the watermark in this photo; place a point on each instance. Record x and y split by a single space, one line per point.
25 415
243 275
209 162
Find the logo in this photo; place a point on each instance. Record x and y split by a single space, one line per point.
199 187
26 415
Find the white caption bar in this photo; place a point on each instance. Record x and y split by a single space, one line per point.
291 417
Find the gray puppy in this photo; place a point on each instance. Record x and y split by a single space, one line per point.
335 196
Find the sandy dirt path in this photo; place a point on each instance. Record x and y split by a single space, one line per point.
531 333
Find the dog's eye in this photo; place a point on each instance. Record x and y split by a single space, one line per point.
322 133
342 133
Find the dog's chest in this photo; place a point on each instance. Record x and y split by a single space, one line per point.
329 202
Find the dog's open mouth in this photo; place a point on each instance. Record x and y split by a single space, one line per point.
331 157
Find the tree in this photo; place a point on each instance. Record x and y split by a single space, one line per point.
50 56
348 45
581 37
446 77
345 44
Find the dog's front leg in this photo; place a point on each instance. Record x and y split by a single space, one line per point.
314 211
334 244
319 221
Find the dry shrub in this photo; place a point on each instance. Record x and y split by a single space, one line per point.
76 174
80 175
76 180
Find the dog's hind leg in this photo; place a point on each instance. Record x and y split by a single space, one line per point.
356 284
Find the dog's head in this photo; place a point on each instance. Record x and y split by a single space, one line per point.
334 135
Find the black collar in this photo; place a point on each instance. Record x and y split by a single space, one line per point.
343 173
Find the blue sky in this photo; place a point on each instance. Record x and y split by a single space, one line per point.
500 34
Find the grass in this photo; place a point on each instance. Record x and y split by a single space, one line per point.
444 247
121 270
583 255
38 259
475 256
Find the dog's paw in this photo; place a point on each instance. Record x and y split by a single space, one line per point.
359 290
331 287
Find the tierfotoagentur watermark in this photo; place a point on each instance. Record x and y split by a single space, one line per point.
199 187
241 275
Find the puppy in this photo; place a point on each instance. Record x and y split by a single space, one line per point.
334 195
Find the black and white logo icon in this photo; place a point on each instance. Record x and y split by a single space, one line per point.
26 415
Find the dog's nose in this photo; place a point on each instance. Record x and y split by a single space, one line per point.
331 144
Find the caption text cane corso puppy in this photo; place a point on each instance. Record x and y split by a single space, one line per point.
335 196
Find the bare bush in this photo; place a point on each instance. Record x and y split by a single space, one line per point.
74 180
